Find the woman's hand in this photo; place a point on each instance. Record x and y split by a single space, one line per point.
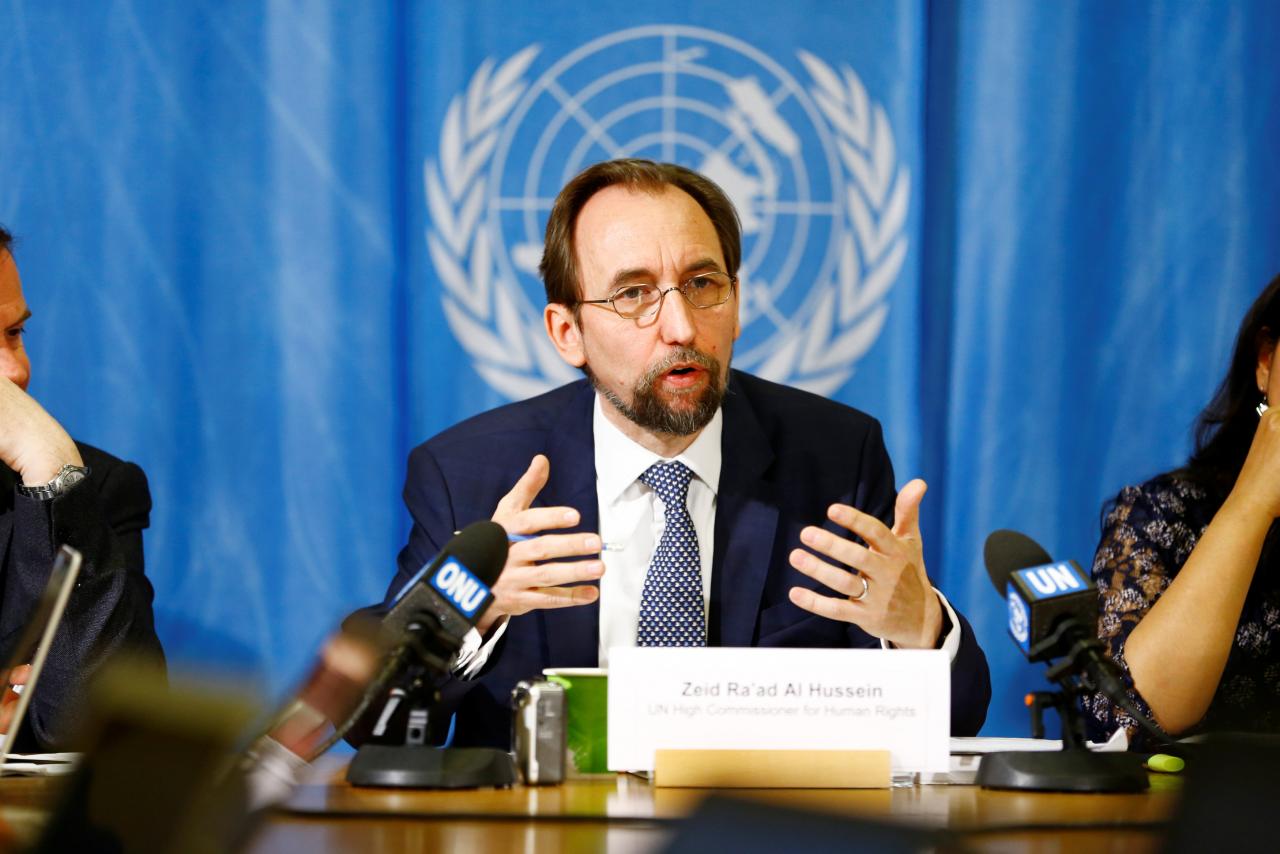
1257 488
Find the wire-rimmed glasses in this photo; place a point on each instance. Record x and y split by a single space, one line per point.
705 290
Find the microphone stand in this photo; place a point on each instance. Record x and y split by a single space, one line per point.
1075 768
410 762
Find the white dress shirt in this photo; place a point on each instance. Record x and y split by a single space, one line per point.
632 518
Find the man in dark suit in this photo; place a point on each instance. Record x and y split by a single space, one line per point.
665 499
55 491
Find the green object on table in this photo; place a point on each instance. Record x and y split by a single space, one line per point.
1165 763
586 693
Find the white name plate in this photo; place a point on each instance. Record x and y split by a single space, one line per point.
736 698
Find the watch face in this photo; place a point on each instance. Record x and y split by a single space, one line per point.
68 478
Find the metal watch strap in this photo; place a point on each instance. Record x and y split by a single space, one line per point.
64 481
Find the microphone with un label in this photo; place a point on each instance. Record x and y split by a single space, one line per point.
1053 614
1053 608
1052 605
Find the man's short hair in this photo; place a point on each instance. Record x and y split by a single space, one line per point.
559 267
6 240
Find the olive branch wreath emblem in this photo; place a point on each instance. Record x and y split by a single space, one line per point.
491 319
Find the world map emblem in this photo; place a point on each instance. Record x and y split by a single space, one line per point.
808 159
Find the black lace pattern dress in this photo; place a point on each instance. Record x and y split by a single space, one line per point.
1149 532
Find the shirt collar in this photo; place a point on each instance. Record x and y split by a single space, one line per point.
620 461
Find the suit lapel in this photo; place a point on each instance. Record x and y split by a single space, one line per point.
746 521
573 634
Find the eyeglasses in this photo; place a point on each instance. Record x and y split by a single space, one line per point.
706 290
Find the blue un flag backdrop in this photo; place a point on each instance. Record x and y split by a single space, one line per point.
271 247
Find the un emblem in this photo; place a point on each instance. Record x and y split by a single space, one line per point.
1019 624
810 165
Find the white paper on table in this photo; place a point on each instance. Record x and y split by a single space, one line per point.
40 764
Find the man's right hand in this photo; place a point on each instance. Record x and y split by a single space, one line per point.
533 577
32 443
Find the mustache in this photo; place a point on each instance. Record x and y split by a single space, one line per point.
648 410
684 355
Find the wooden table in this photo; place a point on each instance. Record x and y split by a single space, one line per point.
626 814
24 805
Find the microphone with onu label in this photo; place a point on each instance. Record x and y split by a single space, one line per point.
427 621
424 625
430 616
435 609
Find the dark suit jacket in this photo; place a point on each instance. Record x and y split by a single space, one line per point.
786 456
110 608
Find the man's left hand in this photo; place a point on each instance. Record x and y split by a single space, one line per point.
899 604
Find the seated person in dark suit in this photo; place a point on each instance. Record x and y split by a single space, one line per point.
1188 570
55 491
668 500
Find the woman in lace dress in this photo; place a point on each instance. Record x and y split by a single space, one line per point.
1187 567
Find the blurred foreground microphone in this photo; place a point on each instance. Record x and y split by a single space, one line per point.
313 720
423 629
1053 615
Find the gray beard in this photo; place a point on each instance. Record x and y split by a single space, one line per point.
649 412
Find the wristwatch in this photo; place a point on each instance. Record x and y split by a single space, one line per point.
63 482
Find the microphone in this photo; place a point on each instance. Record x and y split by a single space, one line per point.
427 621
1052 605
1053 614
312 720
452 592
431 614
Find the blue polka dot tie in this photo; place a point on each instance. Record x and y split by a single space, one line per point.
671 603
